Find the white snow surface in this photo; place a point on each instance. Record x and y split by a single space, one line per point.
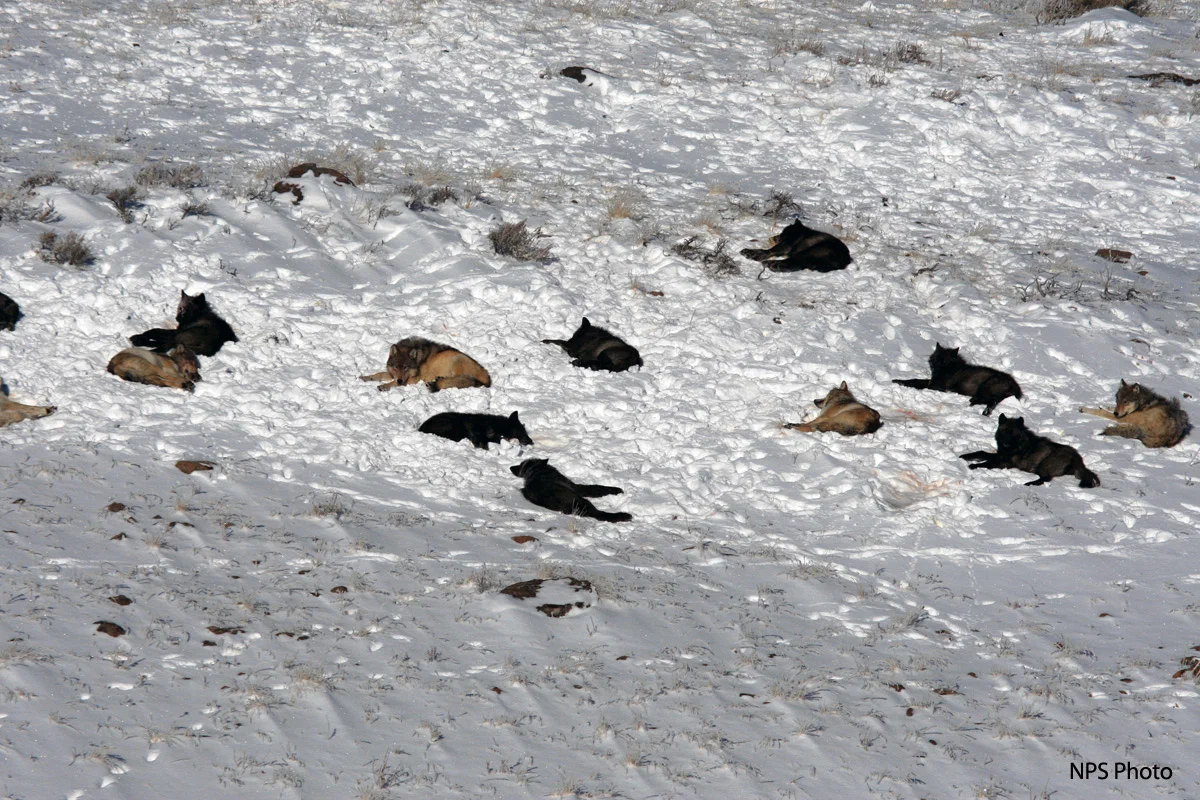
788 615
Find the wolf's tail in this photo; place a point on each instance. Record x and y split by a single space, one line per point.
1087 478
606 516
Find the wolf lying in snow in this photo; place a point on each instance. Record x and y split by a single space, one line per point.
440 366
200 329
593 347
840 413
12 413
1143 414
547 487
800 247
1017 447
479 429
984 385
10 312
179 369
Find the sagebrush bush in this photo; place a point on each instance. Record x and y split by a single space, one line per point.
175 176
715 261
126 199
514 240
70 249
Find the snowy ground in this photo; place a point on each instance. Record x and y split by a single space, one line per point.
788 615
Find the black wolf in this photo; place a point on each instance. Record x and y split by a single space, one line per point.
1017 447
479 429
800 247
1146 415
200 329
547 487
10 312
984 385
592 347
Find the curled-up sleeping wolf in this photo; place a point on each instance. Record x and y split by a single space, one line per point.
10 312
440 366
984 385
179 369
479 429
1017 447
840 413
800 247
547 487
1143 414
11 413
593 347
200 329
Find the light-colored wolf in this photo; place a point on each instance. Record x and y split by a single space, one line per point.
840 413
439 366
1143 414
179 369
12 413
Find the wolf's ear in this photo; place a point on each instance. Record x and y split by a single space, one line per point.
844 387
513 417
937 346
1123 383
1003 418
586 323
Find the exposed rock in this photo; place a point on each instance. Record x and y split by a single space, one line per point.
560 596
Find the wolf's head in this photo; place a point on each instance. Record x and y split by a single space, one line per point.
188 364
837 395
1130 397
944 357
1011 434
512 428
191 307
529 466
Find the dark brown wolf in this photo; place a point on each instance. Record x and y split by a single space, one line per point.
593 347
1017 447
10 312
200 329
178 370
547 487
1143 414
480 429
840 413
800 247
440 366
11 413
984 385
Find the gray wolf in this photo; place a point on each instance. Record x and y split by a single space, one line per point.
984 385
179 369
439 366
200 329
547 487
593 347
479 429
1017 447
800 247
840 413
1143 414
11 413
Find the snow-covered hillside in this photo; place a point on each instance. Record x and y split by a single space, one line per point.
788 615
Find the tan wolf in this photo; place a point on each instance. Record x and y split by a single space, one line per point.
1143 414
12 413
440 366
179 369
840 413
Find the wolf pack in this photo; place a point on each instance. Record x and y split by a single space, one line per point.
169 357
